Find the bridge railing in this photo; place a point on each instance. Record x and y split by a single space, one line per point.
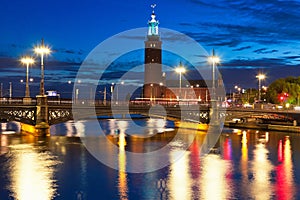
17 101
31 101
88 102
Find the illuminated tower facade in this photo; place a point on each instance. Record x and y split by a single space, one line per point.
153 80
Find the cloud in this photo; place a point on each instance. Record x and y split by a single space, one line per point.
68 51
242 48
292 57
259 63
264 51
260 22
260 50
8 62
204 3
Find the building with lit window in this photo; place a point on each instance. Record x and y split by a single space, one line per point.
154 79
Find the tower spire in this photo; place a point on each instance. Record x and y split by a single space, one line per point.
153 6
153 23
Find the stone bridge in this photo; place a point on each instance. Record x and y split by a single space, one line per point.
42 114
245 113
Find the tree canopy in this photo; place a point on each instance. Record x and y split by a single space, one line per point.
284 90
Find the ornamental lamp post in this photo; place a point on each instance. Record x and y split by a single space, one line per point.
27 61
214 60
260 77
214 113
180 70
42 50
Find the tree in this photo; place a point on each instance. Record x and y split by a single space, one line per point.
284 90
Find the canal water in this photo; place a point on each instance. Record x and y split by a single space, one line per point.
246 164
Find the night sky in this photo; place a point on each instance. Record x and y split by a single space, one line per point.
249 36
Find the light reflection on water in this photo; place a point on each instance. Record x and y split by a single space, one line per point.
215 183
250 165
31 173
261 187
285 178
179 180
122 180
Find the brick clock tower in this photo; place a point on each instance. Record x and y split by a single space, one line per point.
154 80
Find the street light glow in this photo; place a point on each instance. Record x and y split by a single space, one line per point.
214 59
261 76
43 50
180 70
27 60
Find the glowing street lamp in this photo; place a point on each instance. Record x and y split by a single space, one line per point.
180 70
214 60
238 89
260 77
264 88
112 92
27 61
42 50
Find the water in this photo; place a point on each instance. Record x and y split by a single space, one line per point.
246 165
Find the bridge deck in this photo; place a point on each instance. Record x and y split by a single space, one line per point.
61 111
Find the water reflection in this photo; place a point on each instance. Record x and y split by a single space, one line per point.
122 182
3 144
261 186
244 159
249 165
179 179
215 184
195 164
32 173
10 127
284 171
141 128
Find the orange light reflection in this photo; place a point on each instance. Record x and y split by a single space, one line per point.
32 174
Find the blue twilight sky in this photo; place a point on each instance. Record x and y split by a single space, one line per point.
249 36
